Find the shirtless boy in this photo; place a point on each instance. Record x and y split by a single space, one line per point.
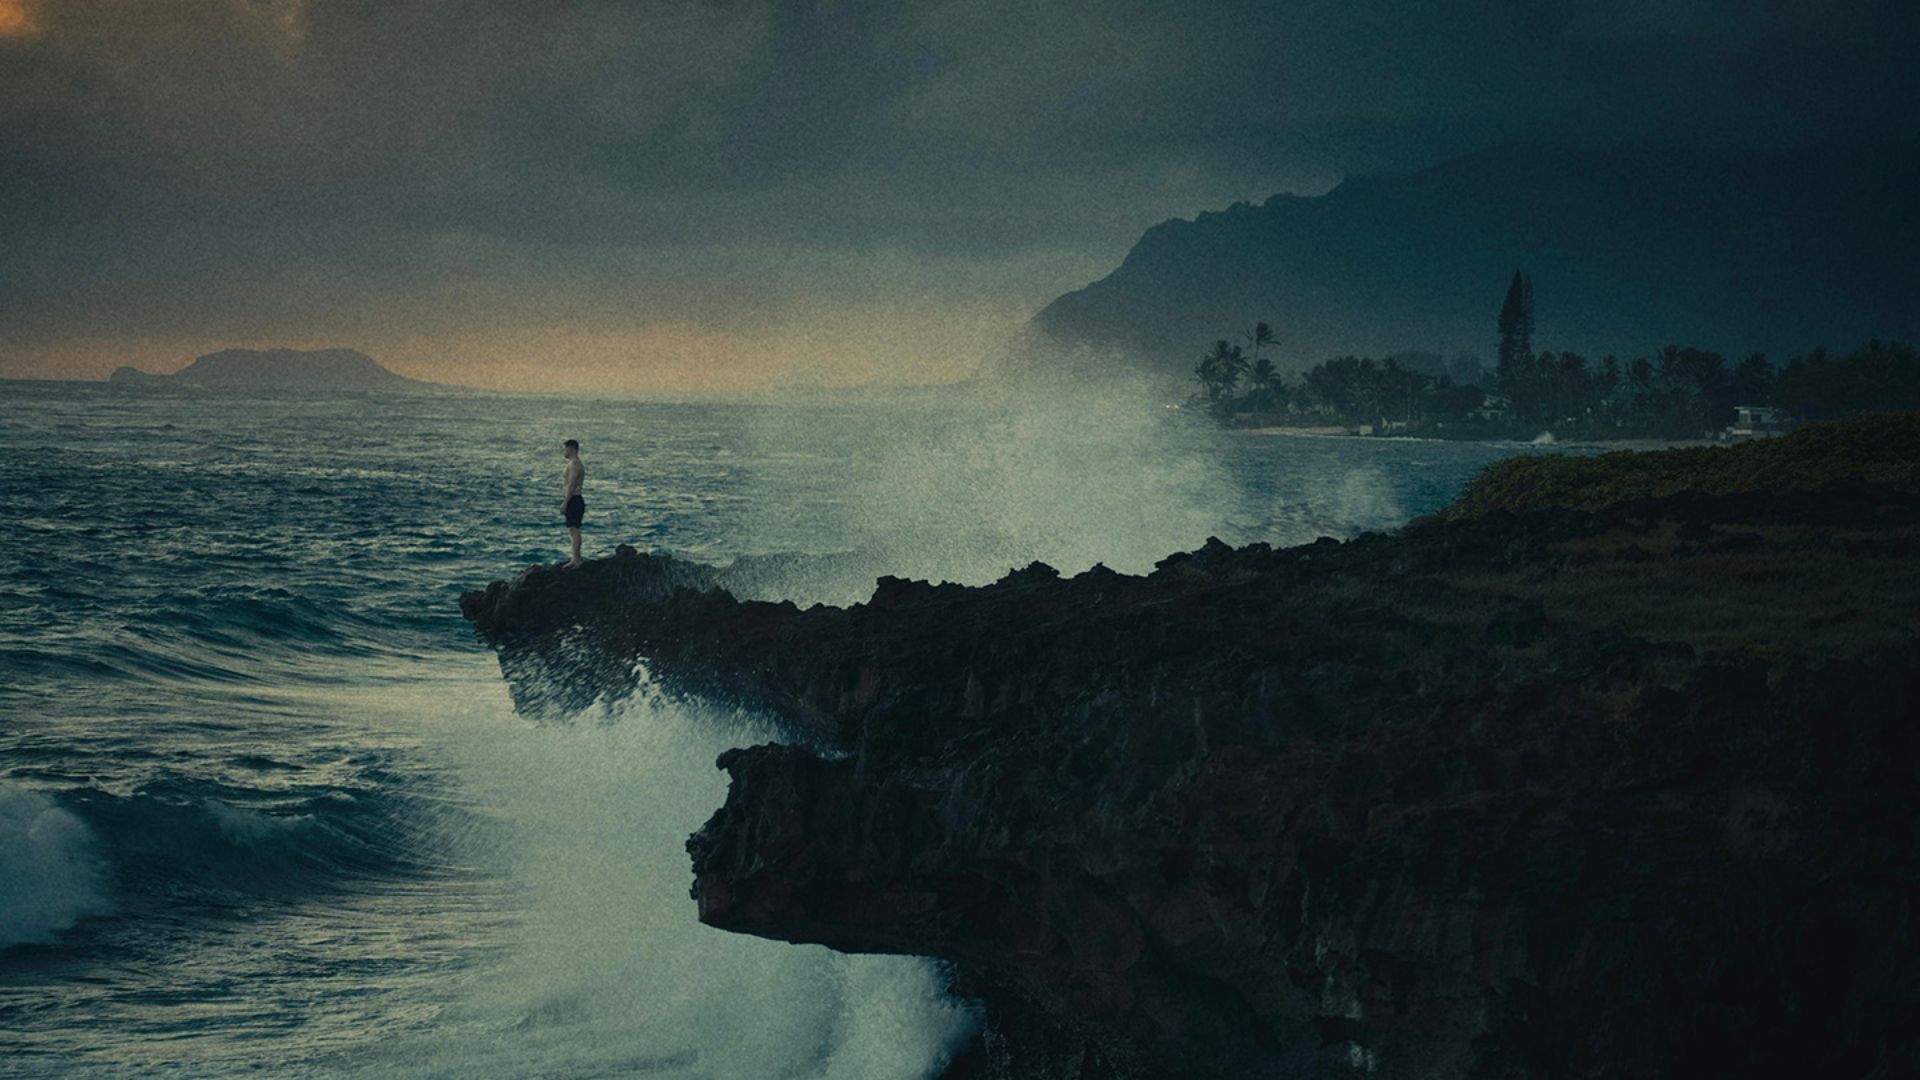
572 505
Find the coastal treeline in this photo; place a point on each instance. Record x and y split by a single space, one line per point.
1681 391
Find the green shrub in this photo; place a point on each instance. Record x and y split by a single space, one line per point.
1882 450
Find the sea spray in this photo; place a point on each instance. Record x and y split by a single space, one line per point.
992 479
606 969
51 875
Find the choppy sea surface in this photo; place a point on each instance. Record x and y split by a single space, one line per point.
264 804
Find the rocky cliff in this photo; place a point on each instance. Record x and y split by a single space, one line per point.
1626 790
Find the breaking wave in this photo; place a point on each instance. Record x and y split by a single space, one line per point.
607 970
51 875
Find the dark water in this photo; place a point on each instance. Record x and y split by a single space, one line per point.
263 803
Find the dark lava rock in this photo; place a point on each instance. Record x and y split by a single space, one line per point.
1446 803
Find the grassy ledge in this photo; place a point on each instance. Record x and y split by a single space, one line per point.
1881 451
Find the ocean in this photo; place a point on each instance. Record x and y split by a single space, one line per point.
265 807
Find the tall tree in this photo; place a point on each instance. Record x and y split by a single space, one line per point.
1233 367
1219 372
1257 338
1526 314
1263 376
1338 384
1516 324
1208 371
1883 375
1753 380
1518 373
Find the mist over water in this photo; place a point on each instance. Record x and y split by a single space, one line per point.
263 800
999 476
1070 479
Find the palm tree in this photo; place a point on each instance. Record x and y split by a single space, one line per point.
1208 372
1259 337
1219 371
1211 371
1264 376
1367 391
1233 368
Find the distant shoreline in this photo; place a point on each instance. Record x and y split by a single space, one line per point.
1335 432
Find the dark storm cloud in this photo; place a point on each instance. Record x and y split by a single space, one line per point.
236 163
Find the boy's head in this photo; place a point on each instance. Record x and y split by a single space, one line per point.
573 446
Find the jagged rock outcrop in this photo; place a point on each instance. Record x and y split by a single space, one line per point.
567 638
1628 791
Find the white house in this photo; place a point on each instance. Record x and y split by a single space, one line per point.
1758 422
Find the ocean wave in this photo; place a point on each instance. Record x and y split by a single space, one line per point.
218 634
97 660
239 616
209 843
51 873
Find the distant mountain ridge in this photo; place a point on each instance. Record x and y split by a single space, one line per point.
278 369
1630 250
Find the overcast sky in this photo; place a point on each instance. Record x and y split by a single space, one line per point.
667 196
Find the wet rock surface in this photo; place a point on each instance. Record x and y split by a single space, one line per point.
1482 798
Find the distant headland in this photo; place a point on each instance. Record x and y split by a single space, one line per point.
1635 248
278 369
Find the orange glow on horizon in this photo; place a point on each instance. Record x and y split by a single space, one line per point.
16 19
673 359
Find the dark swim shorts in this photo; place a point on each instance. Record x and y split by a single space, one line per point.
576 509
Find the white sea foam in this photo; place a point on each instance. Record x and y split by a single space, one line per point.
608 971
1002 477
1364 500
50 873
